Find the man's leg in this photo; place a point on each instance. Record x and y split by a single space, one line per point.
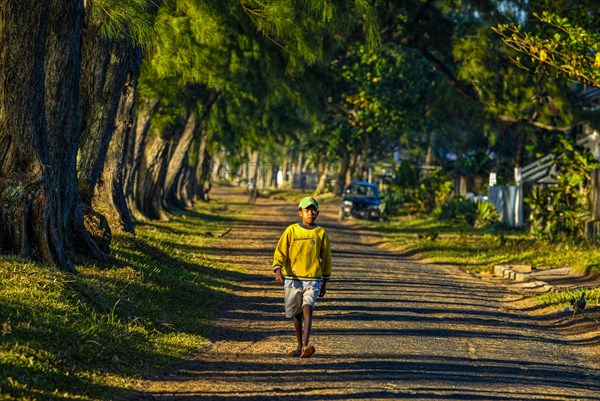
293 309
307 350
298 328
307 310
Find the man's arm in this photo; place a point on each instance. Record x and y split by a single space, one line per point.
280 255
326 257
326 260
323 289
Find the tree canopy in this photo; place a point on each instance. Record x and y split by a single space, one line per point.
557 39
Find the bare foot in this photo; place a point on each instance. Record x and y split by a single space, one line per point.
307 351
296 353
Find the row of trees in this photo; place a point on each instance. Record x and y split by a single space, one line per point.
112 111
70 75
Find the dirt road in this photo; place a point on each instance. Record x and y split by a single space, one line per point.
389 328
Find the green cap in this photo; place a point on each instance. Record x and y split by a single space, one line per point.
306 202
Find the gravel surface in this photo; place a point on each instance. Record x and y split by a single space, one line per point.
388 328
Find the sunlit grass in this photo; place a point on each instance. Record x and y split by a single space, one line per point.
566 298
479 250
94 334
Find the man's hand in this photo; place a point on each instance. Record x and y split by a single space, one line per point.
323 289
278 276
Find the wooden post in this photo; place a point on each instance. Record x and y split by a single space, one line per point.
595 195
592 227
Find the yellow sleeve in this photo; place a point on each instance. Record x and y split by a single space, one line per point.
281 255
326 257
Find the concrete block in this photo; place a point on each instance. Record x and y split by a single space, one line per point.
499 270
521 276
521 268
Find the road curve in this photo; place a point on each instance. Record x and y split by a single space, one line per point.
388 328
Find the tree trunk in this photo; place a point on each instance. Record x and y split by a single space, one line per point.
218 165
253 175
177 160
82 232
185 188
363 161
151 178
109 198
351 168
203 169
107 65
284 173
343 170
323 178
37 149
273 175
431 148
300 171
134 152
520 136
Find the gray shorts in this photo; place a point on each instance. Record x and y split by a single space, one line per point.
299 293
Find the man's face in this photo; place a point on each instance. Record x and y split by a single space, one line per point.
308 215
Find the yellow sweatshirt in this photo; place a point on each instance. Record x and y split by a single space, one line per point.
303 254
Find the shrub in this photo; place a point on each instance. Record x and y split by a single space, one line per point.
414 193
559 211
459 210
391 202
487 215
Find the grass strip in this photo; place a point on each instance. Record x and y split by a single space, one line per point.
479 250
94 334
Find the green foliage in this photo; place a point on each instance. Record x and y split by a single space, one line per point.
371 103
487 215
412 193
305 30
407 174
564 41
459 210
565 298
254 54
473 162
476 250
559 211
433 191
507 91
464 211
392 202
132 19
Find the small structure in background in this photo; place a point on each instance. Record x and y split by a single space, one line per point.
509 199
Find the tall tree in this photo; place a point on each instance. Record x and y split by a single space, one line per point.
33 219
114 37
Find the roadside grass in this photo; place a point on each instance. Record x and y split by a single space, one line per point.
566 298
95 334
479 250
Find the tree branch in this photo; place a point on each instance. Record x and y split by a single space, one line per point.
533 123
464 89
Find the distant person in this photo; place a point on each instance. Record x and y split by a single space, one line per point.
302 263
